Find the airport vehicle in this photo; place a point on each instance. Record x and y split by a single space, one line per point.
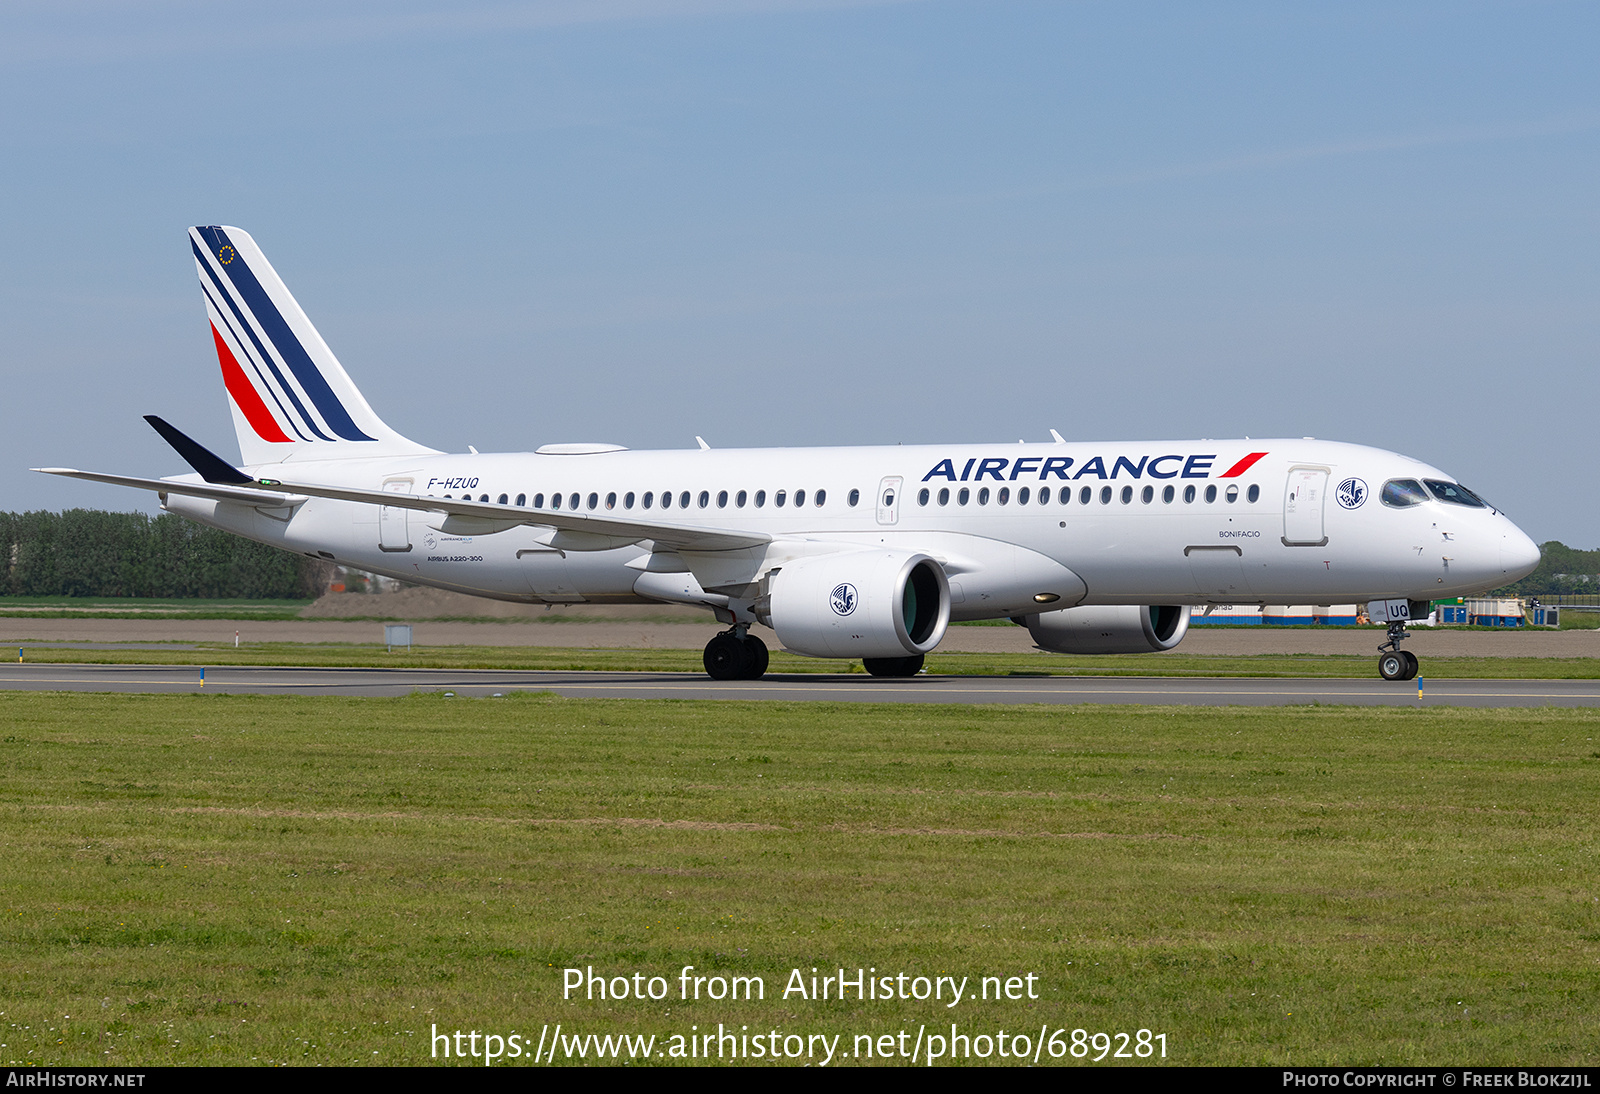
862 553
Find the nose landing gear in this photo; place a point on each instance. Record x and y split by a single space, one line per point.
736 654
1395 663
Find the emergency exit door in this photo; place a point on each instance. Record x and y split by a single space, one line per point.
889 500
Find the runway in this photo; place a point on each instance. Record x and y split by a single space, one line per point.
833 687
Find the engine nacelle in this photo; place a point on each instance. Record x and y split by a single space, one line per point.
874 603
1110 628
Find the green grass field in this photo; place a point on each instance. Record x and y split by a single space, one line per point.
127 607
1177 663
232 879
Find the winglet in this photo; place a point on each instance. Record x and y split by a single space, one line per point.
212 468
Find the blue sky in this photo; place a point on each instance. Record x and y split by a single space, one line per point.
821 223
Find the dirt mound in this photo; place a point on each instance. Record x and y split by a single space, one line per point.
424 603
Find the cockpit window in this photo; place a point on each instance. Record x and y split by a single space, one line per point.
1403 493
1454 493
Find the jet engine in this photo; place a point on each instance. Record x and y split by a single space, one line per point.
868 604
1110 628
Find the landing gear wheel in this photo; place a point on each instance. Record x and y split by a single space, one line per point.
726 658
893 666
1391 666
729 656
756 651
1412 665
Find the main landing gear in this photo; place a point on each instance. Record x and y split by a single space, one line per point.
736 654
893 666
1395 663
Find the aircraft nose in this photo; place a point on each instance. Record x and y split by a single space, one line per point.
1519 555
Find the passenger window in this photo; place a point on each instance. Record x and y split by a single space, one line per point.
780 497
611 500
1105 495
649 498
963 496
1044 494
1403 493
983 495
1233 493
821 499
483 497
522 500
572 501
799 498
1188 493
1127 494
594 500
683 500
666 499
627 500
1147 495
922 496
722 499
1022 496
1084 495
1211 493
555 501
1254 493
1168 493
502 500
1003 496
853 499
705 498
538 501
944 495
761 498
740 498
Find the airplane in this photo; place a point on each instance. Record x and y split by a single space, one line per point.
866 553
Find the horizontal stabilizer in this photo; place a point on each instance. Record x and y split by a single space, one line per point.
259 497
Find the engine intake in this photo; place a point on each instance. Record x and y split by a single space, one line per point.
874 603
1109 628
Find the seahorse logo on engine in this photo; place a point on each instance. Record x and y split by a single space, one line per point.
843 599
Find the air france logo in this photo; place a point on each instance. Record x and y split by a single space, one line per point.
1351 493
843 599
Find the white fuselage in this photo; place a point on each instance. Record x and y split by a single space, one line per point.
1304 538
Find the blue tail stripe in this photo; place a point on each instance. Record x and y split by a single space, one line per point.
294 354
250 358
266 357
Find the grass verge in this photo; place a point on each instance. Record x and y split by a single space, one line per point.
238 879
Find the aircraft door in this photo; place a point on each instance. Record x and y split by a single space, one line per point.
393 531
1302 507
889 500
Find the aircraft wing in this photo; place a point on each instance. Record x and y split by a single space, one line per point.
482 518
249 495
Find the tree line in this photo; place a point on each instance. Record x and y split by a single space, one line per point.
1562 570
90 552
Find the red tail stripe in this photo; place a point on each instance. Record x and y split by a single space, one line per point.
245 395
1242 466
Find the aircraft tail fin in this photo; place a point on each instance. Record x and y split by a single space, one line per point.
291 399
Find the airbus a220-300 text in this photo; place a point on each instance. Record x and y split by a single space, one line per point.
865 553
